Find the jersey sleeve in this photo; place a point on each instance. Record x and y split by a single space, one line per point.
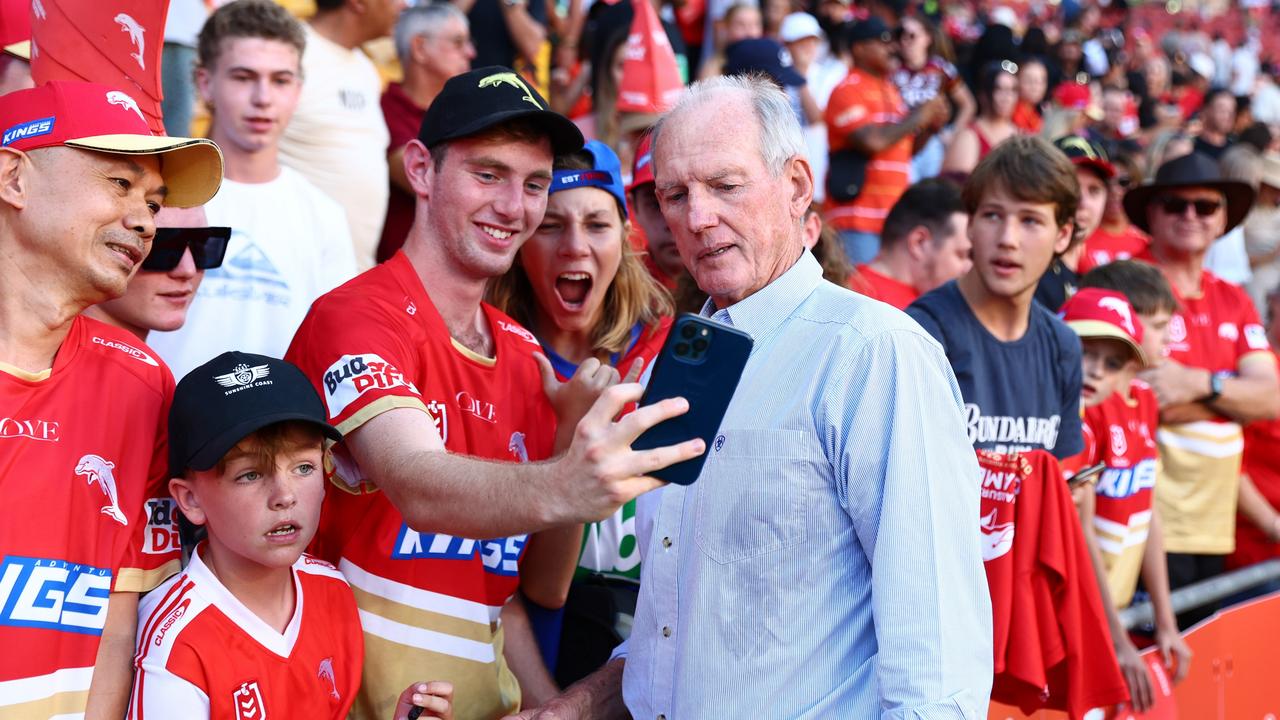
1086 457
1253 336
153 553
847 111
359 357
158 693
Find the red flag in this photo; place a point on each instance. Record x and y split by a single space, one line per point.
117 44
15 22
650 77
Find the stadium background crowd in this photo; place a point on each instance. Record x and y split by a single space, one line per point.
899 104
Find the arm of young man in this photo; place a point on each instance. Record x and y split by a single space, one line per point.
526 32
1155 578
1131 664
598 696
1253 394
113 669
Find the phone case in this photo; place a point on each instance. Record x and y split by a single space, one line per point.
702 362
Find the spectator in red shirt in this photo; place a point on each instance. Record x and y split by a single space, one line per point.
433 43
1116 238
924 244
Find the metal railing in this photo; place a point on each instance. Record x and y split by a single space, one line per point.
1205 592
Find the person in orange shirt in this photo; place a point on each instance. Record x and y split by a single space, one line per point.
924 244
866 115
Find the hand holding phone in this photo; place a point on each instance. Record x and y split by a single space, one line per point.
1088 474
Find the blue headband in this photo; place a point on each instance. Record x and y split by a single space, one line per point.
605 174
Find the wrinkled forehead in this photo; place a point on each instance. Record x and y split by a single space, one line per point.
176 217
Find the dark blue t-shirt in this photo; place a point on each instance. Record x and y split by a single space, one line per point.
1018 395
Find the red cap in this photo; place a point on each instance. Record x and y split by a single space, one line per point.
642 168
650 76
1072 95
1098 313
90 116
15 27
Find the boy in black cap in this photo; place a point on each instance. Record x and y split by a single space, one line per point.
1093 171
246 436
440 476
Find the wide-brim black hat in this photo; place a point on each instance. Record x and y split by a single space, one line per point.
478 100
1196 170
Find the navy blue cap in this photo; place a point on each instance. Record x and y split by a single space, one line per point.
873 28
605 173
764 55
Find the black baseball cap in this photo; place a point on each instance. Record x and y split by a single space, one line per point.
764 55
1083 152
475 101
873 28
233 395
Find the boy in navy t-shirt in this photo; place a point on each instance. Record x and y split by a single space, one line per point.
1018 365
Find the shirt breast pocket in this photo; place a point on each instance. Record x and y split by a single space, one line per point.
753 493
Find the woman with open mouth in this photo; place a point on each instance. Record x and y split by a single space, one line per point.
585 293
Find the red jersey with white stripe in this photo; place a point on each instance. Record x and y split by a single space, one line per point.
85 512
1104 247
1120 431
1200 461
429 602
203 654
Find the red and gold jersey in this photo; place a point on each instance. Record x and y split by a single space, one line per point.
1103 247
859 100
1120 432
429 602
203 654
1200 461
86 511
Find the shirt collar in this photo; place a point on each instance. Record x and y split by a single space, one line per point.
763 311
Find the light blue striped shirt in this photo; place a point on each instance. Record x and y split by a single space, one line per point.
827 562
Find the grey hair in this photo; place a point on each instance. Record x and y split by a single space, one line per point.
780 136
423 19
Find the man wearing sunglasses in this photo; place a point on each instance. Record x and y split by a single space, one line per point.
1218 374
162 290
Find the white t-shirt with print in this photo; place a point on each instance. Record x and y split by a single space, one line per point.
289 245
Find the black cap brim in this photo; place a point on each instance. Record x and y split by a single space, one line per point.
208 456
565 136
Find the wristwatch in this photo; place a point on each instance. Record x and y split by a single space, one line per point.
1215 388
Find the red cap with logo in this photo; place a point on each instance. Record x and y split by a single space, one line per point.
642 168
1098 313
89 116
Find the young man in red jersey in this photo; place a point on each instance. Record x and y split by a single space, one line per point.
85 521
1120 529
245 458
440 478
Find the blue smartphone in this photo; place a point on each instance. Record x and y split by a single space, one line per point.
702 362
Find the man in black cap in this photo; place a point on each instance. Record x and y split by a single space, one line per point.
768 56
418 374
1218 373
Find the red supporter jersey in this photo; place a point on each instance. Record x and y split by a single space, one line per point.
1052 644
86 511
1262 465
859 100
203 654
429 602
867 281
1103 247
917 87
1120 432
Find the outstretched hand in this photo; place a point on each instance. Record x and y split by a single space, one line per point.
426 699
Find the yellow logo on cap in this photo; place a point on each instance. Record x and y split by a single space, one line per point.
510 78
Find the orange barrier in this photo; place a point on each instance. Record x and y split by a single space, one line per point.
1233 671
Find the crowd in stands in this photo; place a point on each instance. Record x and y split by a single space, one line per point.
407 302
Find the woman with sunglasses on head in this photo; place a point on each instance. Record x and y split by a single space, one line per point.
926 72
997 101
1116 238
581 289
161 291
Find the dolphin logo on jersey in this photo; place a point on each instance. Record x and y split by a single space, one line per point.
98 470
510 78
248 702
131 26
115 97
326 673
516 447
1121 308
997 538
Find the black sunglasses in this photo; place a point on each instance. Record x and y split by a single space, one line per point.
208 245
1178 206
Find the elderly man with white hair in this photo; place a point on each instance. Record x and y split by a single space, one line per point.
827 561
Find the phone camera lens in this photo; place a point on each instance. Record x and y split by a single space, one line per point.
682 348
688 331
699 345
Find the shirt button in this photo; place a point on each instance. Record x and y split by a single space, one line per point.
666 631
666 542
661 716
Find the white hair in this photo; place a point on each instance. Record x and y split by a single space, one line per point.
780 136
425 19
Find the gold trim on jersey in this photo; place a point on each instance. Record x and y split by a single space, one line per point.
461 628
473 355
139 580
376 408
25 374
1197 485
63 704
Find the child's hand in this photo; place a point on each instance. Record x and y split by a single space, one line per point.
426 699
